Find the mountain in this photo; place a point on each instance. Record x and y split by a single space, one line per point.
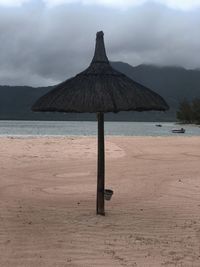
172 83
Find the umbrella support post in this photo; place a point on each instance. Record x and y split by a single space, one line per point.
101 166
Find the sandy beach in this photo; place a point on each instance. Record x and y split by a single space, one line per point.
48 198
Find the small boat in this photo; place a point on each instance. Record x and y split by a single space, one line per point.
181 130
158 125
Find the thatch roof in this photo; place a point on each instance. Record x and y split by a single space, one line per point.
100 88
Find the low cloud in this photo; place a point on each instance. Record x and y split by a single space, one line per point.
43 46
13 2
122 4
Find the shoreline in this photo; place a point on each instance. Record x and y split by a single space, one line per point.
73 129
42 136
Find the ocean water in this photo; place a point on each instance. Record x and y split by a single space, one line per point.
88 128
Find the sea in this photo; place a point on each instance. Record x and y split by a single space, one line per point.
89 128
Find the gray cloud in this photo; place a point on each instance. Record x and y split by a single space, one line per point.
41 46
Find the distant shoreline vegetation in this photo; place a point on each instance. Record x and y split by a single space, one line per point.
172 83
189 112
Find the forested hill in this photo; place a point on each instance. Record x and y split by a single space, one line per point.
173 83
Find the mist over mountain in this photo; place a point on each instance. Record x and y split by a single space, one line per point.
173 83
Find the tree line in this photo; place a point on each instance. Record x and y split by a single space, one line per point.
189 112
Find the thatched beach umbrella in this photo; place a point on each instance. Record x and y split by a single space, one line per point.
100 89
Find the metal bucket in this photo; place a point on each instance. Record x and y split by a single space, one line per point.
108 194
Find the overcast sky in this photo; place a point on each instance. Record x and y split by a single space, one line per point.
43 42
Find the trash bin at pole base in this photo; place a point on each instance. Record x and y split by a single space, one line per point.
108 194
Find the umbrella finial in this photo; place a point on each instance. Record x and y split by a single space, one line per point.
100 51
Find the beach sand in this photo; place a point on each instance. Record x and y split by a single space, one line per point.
48 201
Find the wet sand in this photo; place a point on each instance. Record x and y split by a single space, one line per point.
48 198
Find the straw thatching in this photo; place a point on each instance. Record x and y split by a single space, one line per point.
100 88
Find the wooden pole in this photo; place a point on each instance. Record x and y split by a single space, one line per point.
101 166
